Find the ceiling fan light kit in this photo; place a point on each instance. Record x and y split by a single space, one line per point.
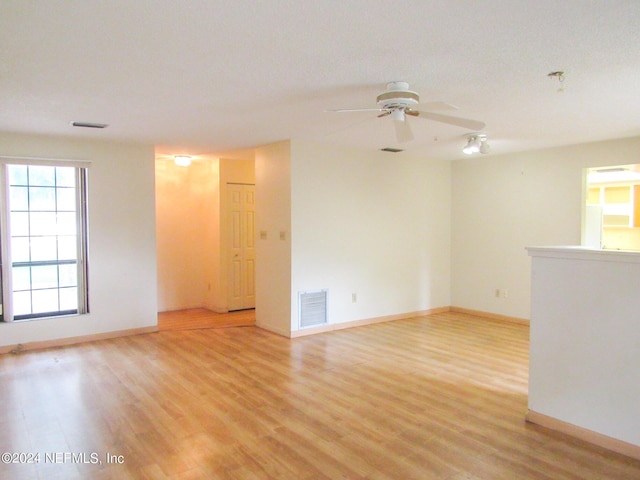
398 115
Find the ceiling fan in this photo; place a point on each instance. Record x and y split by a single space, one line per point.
397 101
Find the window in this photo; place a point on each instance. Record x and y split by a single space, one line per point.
44 241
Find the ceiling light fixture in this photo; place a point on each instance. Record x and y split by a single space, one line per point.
476 143
182 160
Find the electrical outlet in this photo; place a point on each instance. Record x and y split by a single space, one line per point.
505 293
354 298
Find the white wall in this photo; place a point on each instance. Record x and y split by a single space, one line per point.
187 205
505 203
273 256
370 223
122 247
585 341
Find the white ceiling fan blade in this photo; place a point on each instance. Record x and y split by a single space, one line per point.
459 122
403 131
347 110
437 106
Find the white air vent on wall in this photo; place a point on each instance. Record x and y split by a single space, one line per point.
313 308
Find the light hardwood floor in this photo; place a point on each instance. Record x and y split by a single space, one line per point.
438 397
199 318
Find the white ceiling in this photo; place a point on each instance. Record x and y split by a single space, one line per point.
210 76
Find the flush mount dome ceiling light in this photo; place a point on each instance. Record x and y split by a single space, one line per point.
182 160
476 143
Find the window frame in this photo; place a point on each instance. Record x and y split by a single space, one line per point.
82 235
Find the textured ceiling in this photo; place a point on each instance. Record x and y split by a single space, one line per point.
210 76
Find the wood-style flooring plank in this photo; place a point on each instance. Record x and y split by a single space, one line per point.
201 318
441 397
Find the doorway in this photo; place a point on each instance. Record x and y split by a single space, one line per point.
193 239
612 210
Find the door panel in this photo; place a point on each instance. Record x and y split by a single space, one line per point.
241 215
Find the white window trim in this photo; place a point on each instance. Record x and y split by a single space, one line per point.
82 228
52 162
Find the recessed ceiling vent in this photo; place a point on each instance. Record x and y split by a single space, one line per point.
313 308
89 125
391 150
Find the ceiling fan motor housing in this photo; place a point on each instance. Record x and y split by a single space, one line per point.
397 96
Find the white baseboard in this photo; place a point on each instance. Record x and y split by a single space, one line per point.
60 342
367 321
610 443
489 315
